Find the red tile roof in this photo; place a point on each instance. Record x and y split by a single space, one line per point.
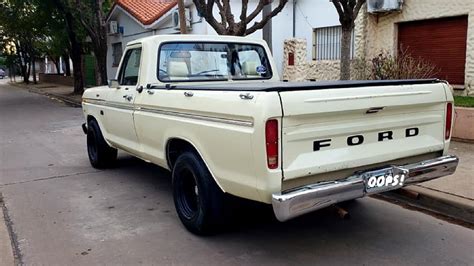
146 11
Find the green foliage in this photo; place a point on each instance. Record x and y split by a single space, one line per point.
464 101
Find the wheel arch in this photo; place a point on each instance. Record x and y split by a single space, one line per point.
176 146
102 128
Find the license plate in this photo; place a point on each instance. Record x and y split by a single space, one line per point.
384 180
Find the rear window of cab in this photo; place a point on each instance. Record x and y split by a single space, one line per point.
212 61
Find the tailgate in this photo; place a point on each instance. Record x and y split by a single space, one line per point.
334 129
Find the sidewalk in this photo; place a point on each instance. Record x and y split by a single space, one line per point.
57 91
451 196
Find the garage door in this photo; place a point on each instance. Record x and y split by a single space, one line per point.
439 41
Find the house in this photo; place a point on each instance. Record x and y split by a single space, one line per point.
435 31
130 19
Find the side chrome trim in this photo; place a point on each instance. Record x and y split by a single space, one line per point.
197 117
130 107
298 201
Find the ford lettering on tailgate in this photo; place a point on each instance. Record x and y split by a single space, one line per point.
359 139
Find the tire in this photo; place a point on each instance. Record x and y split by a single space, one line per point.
101 155
198 200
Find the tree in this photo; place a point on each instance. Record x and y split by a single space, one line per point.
56 44
227 24
75 41
93 14
22 27
348 11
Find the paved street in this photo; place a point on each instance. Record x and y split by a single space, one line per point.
63 211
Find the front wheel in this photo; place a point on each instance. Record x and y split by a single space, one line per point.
101 155
198 200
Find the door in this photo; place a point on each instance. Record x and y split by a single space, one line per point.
120 103
442 42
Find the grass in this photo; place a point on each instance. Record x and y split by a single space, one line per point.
464 101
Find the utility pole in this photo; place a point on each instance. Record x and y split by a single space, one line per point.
182 17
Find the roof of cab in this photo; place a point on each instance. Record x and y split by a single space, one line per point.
192 37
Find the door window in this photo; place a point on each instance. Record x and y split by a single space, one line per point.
130 67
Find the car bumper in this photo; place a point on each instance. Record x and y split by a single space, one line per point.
298 201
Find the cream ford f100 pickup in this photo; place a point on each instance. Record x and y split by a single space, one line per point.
212 110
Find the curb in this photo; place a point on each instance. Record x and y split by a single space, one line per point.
70 101
452 206
65 99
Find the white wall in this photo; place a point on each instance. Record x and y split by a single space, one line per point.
310 14
132 31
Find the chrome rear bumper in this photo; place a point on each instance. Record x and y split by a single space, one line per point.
295 202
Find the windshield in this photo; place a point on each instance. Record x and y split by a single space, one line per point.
208 61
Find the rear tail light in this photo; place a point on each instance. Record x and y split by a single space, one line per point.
271 139
449 120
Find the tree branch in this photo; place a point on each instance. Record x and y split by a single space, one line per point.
261 24
358 7
228 14
337 5
257 11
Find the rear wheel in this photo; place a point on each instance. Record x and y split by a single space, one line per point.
198 199
101 155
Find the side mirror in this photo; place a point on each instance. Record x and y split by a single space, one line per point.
114 84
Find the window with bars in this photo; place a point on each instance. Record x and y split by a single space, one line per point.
327 43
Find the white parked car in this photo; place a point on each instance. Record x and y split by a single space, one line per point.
212 110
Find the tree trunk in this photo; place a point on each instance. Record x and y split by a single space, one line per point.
26 77
76 46
101 62
346 53
58 67
76 58
267 29
24 73
182 17
67 65
33 62
23 65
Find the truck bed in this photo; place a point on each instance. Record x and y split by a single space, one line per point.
295 86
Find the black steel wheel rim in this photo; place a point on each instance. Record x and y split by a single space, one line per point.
91 145
188 193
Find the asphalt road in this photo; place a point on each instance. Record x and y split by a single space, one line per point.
62 211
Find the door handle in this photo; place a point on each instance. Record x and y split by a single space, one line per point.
128 97
189 94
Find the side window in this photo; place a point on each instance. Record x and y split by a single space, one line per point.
130 67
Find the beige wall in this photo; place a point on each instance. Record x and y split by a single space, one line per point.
382 31
376 33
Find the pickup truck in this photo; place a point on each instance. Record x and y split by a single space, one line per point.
213 111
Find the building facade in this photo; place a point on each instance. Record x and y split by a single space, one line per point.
435 31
